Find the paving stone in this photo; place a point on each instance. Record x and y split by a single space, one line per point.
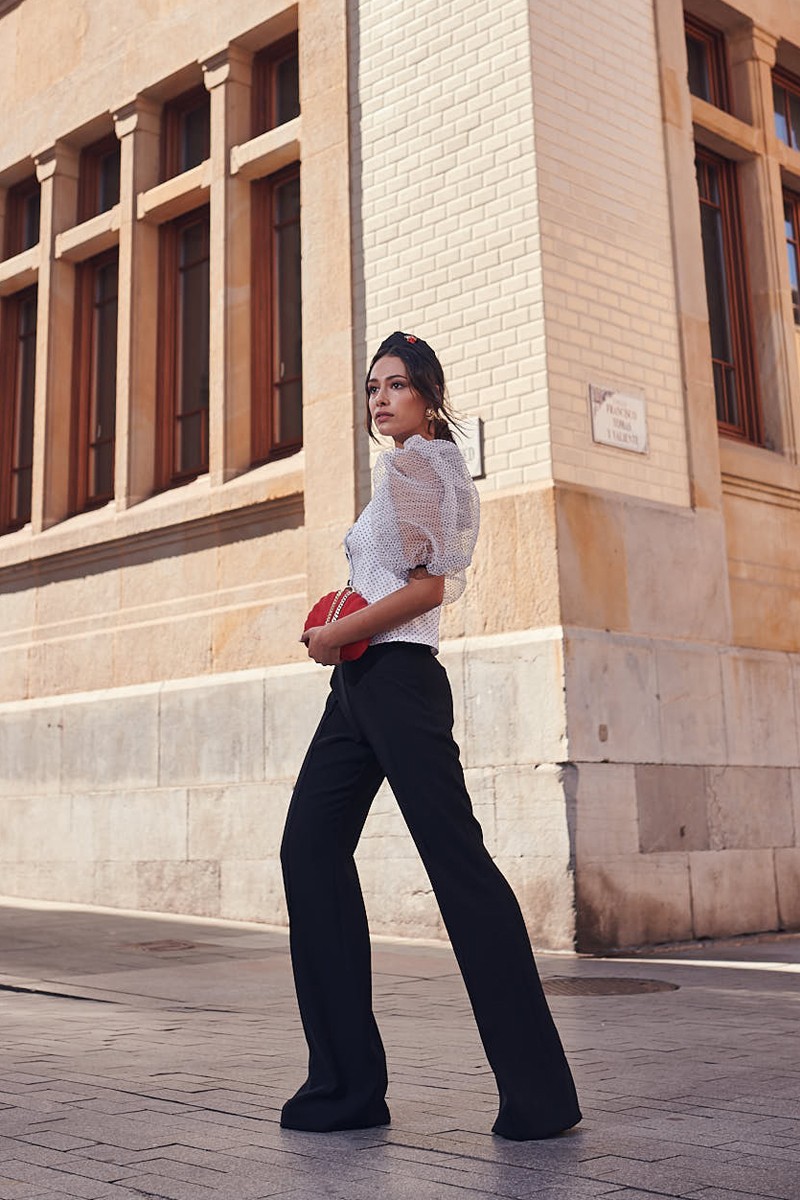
175 1090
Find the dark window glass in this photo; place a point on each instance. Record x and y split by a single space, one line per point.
277 359
184 349
99 178
287 89
707 62
786 100
186 132
195 135
30 220
22 217
699 79
26 383
103 400
191 435
728 309
276 85
781 114
16 408
95 381
791 224
108 184
288 361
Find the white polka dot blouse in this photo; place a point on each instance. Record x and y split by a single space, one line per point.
424 511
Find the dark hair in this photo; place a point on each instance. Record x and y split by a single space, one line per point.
425 375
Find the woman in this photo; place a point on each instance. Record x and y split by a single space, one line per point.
390 715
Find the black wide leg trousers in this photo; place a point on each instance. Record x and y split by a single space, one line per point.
390 714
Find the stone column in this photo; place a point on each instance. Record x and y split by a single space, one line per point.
138 127
332 407
57 172
752 57
227 76
701 421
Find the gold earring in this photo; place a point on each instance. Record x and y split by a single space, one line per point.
430 414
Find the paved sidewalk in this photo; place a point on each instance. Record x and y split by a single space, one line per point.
157 1064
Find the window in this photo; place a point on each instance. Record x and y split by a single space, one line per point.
276 85
708 69
791 221
99 178
277 344
786 99
95 373
22 217
183 351
726 289
16 409
187 130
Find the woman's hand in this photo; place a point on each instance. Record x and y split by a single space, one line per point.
319 640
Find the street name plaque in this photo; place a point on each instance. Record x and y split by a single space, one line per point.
618 420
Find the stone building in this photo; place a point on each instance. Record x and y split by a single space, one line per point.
209 215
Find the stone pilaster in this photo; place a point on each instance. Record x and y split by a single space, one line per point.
57 172
752 58
227 76
690 284
332 406
137 127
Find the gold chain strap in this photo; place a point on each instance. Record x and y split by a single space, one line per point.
339 600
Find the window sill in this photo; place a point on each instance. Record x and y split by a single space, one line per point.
90 237
175 196
724 134
20 271
758 474
269 152
196 507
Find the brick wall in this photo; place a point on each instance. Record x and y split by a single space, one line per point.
444 178
610 303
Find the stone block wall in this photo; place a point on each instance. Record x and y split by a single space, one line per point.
171 797
685 828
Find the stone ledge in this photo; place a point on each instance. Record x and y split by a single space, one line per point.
90 237
272 491
175 196
269 152
20 271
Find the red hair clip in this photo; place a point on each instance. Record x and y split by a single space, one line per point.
409 337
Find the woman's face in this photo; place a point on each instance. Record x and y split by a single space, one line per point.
397 410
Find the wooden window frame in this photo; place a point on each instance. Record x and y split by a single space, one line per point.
9 379
793 199
716 59
791 86
172 125
15 216
264 94
168 355
81 497
264 446
89 176
737 298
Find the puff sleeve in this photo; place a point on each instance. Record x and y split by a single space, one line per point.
426 512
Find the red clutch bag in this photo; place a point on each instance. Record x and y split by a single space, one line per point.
330 608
